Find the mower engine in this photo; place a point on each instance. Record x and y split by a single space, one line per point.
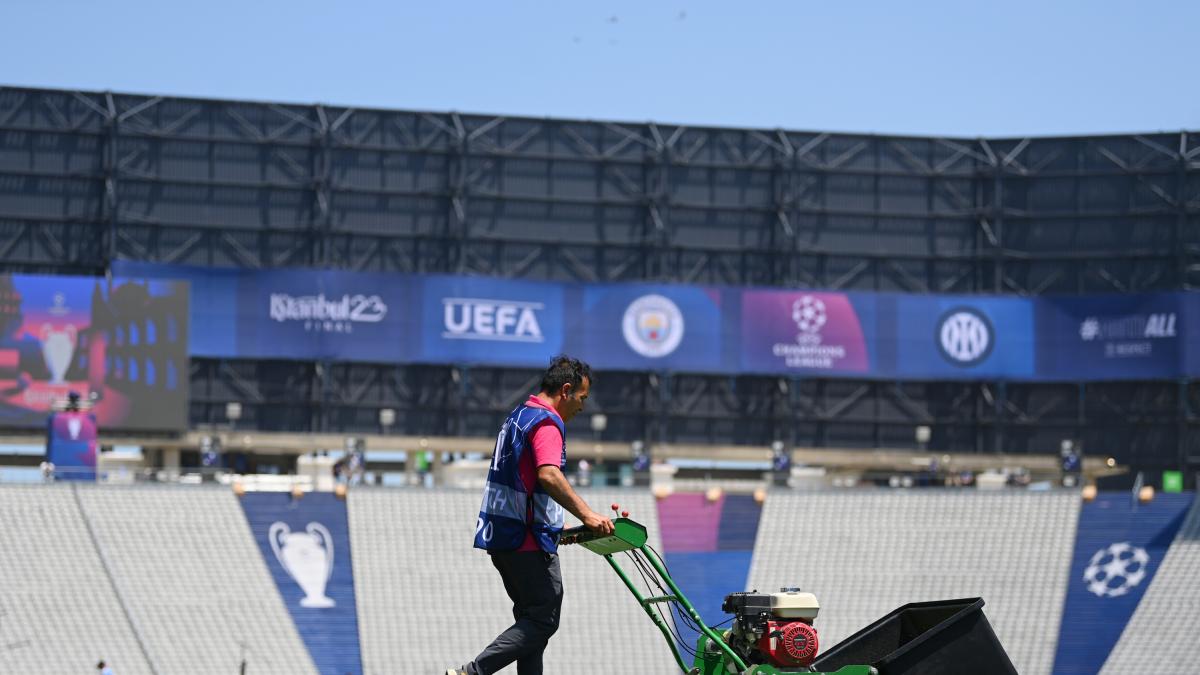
773 628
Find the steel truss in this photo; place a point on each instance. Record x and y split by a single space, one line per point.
90 177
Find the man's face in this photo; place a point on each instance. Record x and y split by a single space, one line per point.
573 399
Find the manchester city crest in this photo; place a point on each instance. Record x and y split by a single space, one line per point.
653 326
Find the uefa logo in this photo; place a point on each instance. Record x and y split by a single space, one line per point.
653 326
965 336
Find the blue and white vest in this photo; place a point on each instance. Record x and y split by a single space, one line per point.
508 511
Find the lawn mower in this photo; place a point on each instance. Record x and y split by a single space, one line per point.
770 633
773 633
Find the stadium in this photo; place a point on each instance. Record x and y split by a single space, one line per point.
881 369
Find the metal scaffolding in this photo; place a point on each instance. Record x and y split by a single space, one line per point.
90 177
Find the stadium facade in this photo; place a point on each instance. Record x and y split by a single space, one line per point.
88 179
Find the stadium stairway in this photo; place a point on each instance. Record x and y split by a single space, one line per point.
59 612
194 582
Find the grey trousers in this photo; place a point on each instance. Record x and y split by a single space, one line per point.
533 581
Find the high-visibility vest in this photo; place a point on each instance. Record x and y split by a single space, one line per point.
508 512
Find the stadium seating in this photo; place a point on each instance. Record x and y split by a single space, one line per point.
428 602
1161 635
170 579
867 553
194 581
58 610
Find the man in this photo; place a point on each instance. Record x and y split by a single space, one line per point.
522 516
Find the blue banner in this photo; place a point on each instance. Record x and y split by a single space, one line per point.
1119 545
71 444
323 315
651 327
474 320
708 545
397 318
1189 305
963 337
1125 336
295 313
306 545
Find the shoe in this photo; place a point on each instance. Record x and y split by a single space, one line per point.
456 671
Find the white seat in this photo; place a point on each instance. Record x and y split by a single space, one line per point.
865 553
193 579
427 600
1161 634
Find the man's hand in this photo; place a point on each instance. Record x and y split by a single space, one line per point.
597 523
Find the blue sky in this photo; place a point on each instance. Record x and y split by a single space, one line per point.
959 68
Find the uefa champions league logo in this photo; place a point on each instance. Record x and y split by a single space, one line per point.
811 348
965 336
652 326
1116 569
59 308
307 557
809 314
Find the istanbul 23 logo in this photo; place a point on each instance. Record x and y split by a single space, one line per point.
652 326
965 336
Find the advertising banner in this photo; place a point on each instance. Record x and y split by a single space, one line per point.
1119 545
708 545
71 444
804 332
395 318
649 327
1189 305
119 344
961 337
294 313
473 320
305 544
325 315
1121 336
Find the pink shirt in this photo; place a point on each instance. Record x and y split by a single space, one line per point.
547 444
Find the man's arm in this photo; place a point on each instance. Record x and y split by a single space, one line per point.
555 484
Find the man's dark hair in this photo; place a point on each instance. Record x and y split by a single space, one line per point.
563 370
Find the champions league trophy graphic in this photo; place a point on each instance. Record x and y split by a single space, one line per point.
74 426
306 556
58 346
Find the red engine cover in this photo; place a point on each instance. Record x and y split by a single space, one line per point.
789 643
